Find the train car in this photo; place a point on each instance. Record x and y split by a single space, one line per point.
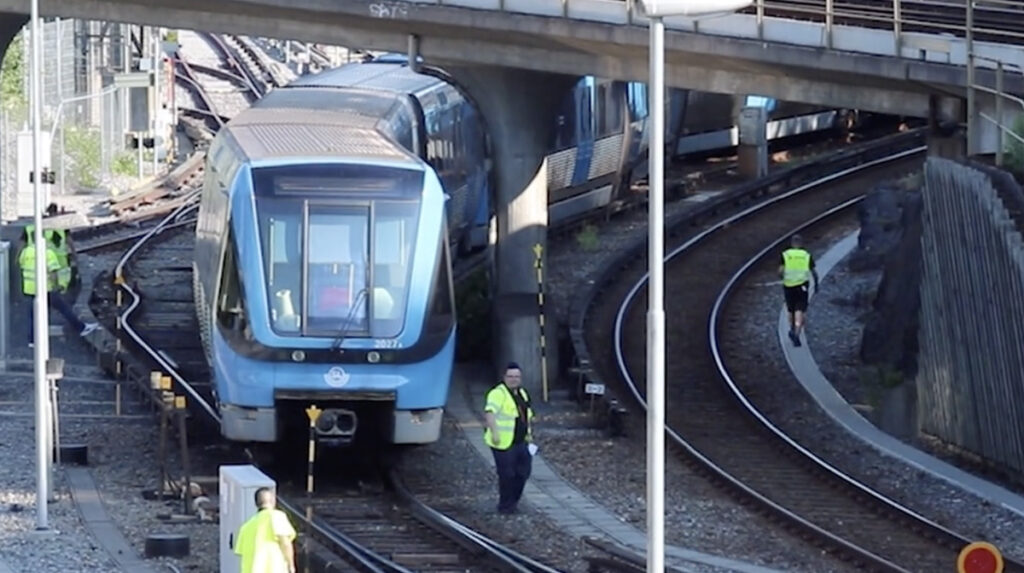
715 130
331 213
322 261
600 138
602 134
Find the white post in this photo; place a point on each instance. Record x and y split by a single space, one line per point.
42 330
656 306
57 76
157 61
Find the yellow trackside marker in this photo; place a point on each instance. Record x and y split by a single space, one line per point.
538 263
313 413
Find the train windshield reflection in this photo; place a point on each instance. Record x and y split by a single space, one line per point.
348 274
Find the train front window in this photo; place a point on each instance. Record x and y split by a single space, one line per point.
337 264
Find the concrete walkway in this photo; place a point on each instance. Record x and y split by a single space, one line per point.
567 507
100 525
806 370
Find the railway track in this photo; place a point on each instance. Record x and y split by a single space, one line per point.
156 323
146 300
159 331
713 423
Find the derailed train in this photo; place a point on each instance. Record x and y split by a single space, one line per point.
330 216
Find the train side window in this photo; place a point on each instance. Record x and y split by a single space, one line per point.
614 107
603 103
638 100
441 304
400 126
230 301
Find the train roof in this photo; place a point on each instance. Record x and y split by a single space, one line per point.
385 76
319 123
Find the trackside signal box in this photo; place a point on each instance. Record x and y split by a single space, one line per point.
238 485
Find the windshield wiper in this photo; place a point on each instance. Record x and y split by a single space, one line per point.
336 345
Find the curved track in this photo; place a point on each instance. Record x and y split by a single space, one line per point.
366 531
157 323
713 423
147 301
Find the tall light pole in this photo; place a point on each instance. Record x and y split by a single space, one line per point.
42 330
656 11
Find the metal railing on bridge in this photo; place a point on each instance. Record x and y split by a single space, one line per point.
1000 21
1001 98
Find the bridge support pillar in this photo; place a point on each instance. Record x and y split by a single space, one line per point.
947 134
519 108
10 25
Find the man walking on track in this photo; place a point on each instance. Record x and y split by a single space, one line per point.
796 270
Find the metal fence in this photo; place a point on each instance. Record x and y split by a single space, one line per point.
970 387
83 118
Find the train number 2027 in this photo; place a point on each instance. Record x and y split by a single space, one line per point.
386 343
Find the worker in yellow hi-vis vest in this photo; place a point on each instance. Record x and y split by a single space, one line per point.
27 264
509 418
796 270
60 240
265 541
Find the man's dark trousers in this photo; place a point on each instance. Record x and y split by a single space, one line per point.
513 465
57 303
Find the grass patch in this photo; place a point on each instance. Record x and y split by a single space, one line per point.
587 238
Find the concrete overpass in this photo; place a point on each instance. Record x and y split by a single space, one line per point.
881 69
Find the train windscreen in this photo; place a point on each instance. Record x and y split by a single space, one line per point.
337 260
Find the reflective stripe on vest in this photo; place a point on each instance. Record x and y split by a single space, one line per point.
61 250
27 263
796 267
503 405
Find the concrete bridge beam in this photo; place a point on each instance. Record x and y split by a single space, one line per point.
519 107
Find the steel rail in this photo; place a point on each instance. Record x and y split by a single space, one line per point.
466 536
678 439
189 76
713 322
230 58
176 219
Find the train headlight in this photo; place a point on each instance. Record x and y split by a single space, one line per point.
373 356
326 422
298 355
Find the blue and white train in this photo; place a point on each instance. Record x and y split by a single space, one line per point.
331 211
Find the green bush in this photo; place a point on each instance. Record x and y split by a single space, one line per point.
82 153
881 376
12 85
125 163
587 238
473 308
